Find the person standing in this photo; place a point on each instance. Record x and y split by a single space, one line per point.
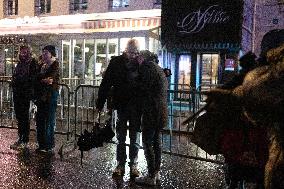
22 84
46 99
116 78
153 86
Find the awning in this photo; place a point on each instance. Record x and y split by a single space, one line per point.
121 24
83 23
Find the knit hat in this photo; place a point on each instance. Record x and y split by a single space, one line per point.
51 49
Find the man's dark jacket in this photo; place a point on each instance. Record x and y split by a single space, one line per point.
116 78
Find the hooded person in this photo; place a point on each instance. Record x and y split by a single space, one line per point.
153 85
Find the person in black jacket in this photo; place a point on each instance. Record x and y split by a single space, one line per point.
22 84
116 78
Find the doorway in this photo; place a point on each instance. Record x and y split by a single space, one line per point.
209 70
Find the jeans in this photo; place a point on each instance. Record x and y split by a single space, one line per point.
152 123
45 121
22 107
152 149
123 115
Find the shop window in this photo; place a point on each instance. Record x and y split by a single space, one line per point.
78 6
42 6
184 72
141 41
123 43
112 48
209 70
118 3
9 58
158 2
11 7
101 63
89 60
66 58
78 58
154 45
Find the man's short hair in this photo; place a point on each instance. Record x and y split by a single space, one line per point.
132 46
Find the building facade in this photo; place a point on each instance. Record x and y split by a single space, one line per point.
202 41
87 33
269 15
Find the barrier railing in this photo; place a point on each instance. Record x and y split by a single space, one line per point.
6 104
176 138
76 112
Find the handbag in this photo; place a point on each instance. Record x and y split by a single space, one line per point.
101 132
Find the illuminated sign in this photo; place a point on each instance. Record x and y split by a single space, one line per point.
230 64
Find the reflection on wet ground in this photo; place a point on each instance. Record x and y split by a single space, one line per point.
27 169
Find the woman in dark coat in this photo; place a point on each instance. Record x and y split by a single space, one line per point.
46 99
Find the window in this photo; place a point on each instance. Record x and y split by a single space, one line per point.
158 2
119 3
42 6
78 6
11 7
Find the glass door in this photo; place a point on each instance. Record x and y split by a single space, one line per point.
184 72
66 59
209 70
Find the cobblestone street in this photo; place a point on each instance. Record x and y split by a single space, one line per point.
26 169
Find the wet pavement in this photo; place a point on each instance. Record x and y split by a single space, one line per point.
27 169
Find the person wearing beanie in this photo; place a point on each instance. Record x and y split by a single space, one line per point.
46 99
50 49
116 79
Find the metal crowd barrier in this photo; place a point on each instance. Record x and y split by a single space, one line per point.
6 104
76 112
176 138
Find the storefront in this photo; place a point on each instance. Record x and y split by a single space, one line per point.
84 43
201 41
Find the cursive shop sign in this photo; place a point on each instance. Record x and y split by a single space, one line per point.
195 21
186 22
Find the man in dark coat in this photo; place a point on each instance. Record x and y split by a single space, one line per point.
116 78
22 83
